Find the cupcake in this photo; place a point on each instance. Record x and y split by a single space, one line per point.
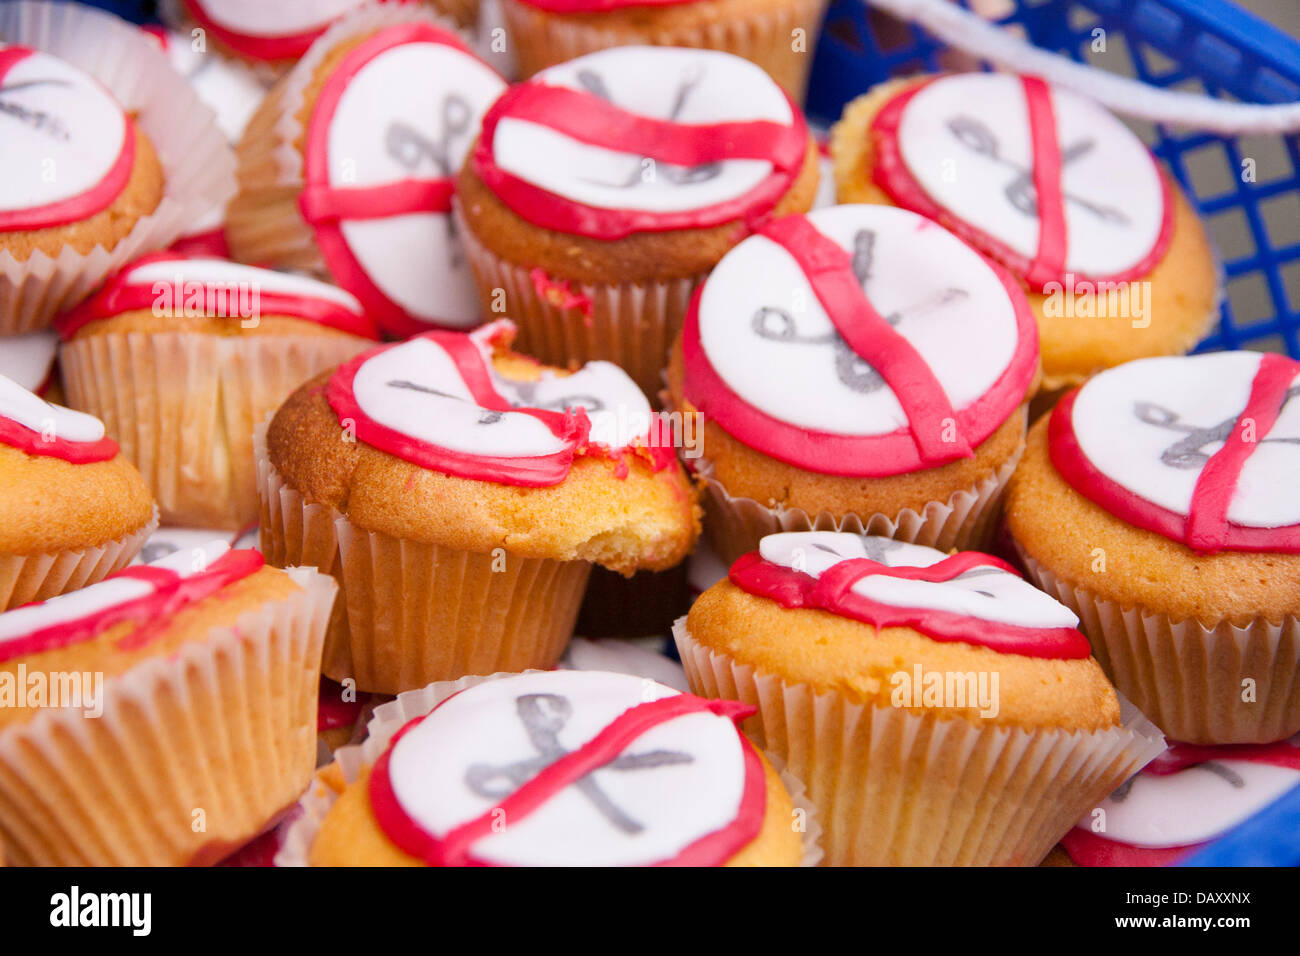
1115 262
856 369
568 768
602 191
375 220
778 35
1182 800
268 35
461 492
164 716
107 156
72 509
1159 501
181 356
940 709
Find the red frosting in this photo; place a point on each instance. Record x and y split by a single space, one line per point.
210 244
1091 849
456 848
151 613
585 117
830 273
17 435
1206 529
288 47
120 294
74 208
325 206
1048 264
597 6
333 711
833 592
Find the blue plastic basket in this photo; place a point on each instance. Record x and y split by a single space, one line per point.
1208 45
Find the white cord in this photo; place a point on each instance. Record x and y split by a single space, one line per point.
972 34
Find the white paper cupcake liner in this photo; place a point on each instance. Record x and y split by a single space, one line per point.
897 788
765 38
632 324
183 407
198 165
226 725
390 717
966 521
411 612
36 577
1189 678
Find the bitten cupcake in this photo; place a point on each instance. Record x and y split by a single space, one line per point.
1159 501
586 768
940 709
347 168
181 357
778 35
1182 800
164 716
1048 183
602 191
107 155
72 509
460 492
857 369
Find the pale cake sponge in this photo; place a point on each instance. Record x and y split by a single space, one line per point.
1183 286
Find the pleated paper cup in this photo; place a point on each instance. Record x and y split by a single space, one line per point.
198 165
36 577
413 612
263 222
390 717
183 407
894 788
194 754
765 37
966 521
631 324
1225 684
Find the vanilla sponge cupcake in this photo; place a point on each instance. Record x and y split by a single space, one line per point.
1181 801
461 492
778 35
347 168
269 35
585 768
603 190
1114 260
939 708
177 717
72 508
181 356
1159 501
858 368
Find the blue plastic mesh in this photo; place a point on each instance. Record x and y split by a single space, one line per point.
1195 45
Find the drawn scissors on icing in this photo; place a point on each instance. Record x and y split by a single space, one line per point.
1189 452
856 374
1020 191
594 84
543 717
40 120
409 146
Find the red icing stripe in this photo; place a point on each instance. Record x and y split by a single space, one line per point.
332 711
456 848
205 245
84 205
870 456
120 294
19 436
833 592
1206 529
288 47
592 120
597 6
1086 848
152 612
324 206
572 428
1180 756
830 273
891 174
1049 263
